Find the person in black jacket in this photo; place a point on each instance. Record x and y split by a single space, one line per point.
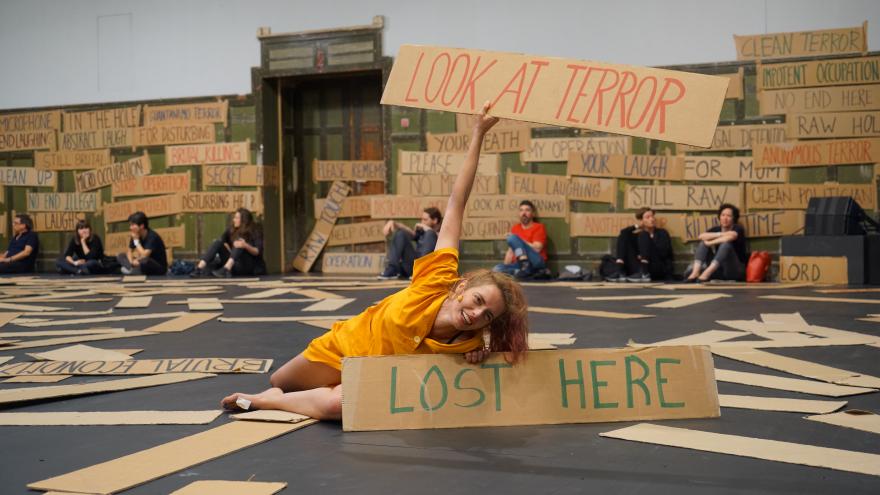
84 254
655 258
722 252
21 255
146 250
239 251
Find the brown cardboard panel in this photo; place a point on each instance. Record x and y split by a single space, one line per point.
357 233
574 188
216 487
4 359
817 153
730 169
357 170
221 202
80 352
172 236
102 119
12 396
558 91
134 302
610 224
204 304
507 206
275 319
79 338
100 319
798 367
757 448
795 44
703 338
416 391
441 185
852 418
109 418
155 206
831 72
779 404
31 121
365 263
265 294
832 125
659 167
741 137
119 137
28 140
797 196
140 467
759 224
37 379
495 141
55 201
465 122
201 112
325 324
791 384
59 333
55 221
329 304
582 312
353 206
813 269
559 149
845 300
6 317
433 163
115 172
828 99
474 229
27 177
308 253
403 206
146 185
130 366
71 160
735 89
673 302
697 198
316 293
183 322
240 175
271 415
183 133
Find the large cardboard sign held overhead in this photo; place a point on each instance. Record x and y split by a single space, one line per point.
830 99
548 387
427 162
441 185
148 185
833 125
699 198
661 167
309 252
71 160
207 154
802 43
573 188
610 224
495 141
758 224
115 172
705 168
329 170
797 196
353 263
741 137
833 72
813 269
636 101
818 153
27 176
558 149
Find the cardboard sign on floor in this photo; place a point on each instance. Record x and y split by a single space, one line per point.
798 367
789 384
587 312
140 467
134 302
780 404
80 352
852 418
109 418
758 448
216 487
591 385
138 366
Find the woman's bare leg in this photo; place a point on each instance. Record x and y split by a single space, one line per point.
301 374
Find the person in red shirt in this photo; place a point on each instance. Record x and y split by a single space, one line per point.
527 245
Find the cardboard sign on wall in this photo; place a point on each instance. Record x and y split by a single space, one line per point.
148 185
730 169
202 112
818 153
828 99
636 101
208 154
308 253
660 167
574 188
741 137
833 72
71 160
802 43
353 263
548 387
79 202
833 124
558 149
115 172
329 170
699 198
427 162
495 141
27 177
813 269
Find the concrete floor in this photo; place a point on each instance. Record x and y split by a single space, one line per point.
536 459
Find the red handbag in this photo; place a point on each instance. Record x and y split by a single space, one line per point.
759 264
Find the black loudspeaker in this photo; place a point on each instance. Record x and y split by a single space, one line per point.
834 215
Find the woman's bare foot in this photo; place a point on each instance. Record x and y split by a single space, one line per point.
263 400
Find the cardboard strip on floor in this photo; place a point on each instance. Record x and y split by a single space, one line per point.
851 418
138 366
140 467
109 418
328 304
217 487
134 302
790 384
585 312
79 352
779 404
798 367
758 448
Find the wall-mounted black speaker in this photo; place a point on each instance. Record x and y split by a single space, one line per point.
834 215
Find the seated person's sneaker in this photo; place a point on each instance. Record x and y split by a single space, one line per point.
389 274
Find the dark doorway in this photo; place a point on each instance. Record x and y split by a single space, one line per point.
328 117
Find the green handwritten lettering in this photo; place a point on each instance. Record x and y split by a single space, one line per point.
596 384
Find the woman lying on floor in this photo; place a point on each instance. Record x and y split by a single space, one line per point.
439 312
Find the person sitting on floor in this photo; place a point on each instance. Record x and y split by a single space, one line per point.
526 245
644 250
401 254
21 255
239 251
721 253
84 254
146 250
440 312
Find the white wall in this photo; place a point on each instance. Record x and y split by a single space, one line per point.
51 52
